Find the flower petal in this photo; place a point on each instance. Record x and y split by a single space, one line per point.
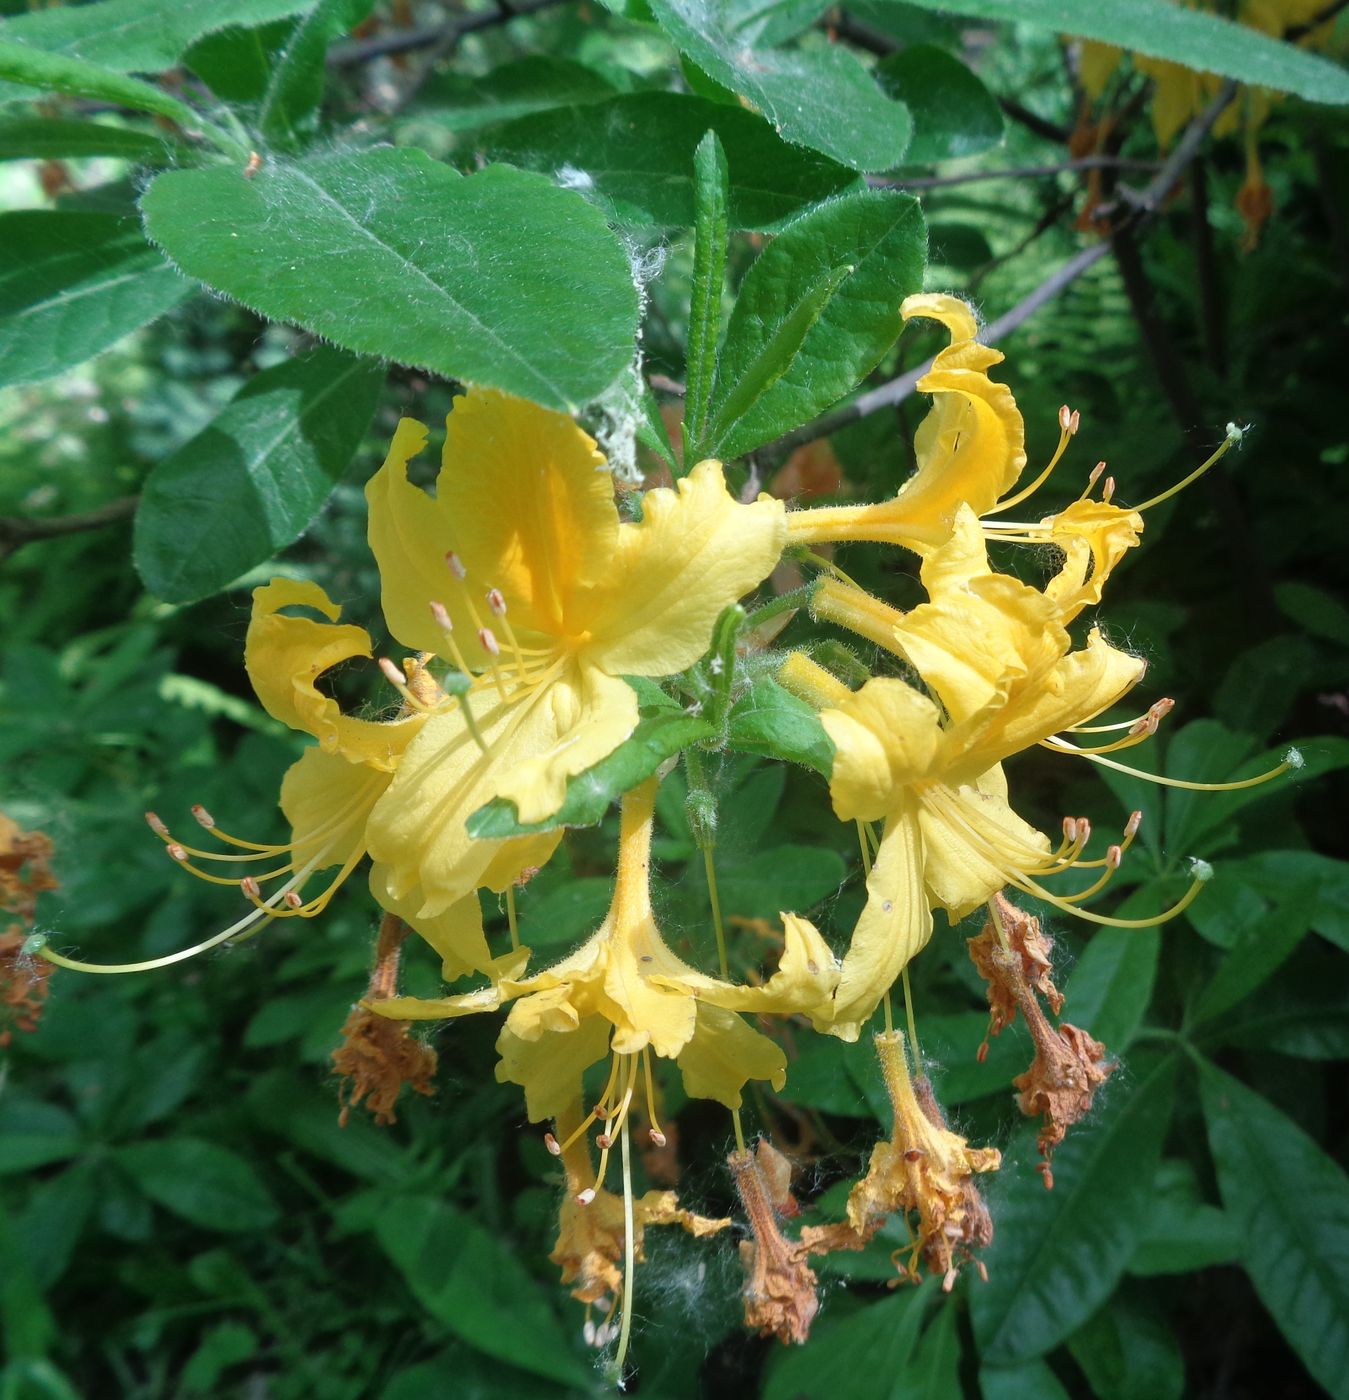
724 1055
893 927
549 1064
284 656
531 505
327 802
885 735
1094 536
418 828
694 553
455 933
592 714
962 872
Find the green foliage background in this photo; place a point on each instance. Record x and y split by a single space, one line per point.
180 1213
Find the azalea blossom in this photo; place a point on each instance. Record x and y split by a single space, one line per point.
997 656
520 573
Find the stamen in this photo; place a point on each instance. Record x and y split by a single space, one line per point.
294 900
653 1132
488 642
628 1072
1155 713
176 851
551 1143
1234 436
496 603
1108 489
203 816
456 565
1068 424
157 826
1092 478
1292 760
441 616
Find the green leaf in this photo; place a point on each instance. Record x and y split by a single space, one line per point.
711 196
71 286
204 1183
1259 950
589 795
637 151
295 87
877 1339
566 913
52 72
770 721
33 1134
137 36
1056 1256
236 63
1183 1231
1128 1354
253 479
953 113
1290 1204
815 313
787 877
819 96
1111 984
477 1287
1314 610
952 1043
64 138
1162 29
652 434
1031 1378
536 83
1287 874
934 1373
498 278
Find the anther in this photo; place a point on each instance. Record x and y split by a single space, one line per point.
1113 856
392 674
656 1136
177 851
203 816
496 602
1070 829
155 825
293 899
441 616
584 1198
250 887
550 1142
1095 474
455 565
1132 825
1108 489
603 1141
488 642
1066 419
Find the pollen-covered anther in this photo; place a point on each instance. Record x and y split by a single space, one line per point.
391 673
1108 490
1067 419
156 825
293 899
551 1143
455 565
656 1136
203 817
584 1198
178 852
1113 856
1132 825
496 602
1094 475
603 1140
250 888
487 640
440 615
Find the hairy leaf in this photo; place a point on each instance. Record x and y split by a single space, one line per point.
499 278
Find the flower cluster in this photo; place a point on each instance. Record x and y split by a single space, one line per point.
532 609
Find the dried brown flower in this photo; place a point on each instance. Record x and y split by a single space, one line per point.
377 1056
779 1292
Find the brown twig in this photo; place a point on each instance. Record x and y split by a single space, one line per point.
432 36
19 530
1210 300
1131 214
1328 12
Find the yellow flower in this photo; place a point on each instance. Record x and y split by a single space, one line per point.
971 447
625 991
998 658
520 572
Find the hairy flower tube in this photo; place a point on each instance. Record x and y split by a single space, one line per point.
520 572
